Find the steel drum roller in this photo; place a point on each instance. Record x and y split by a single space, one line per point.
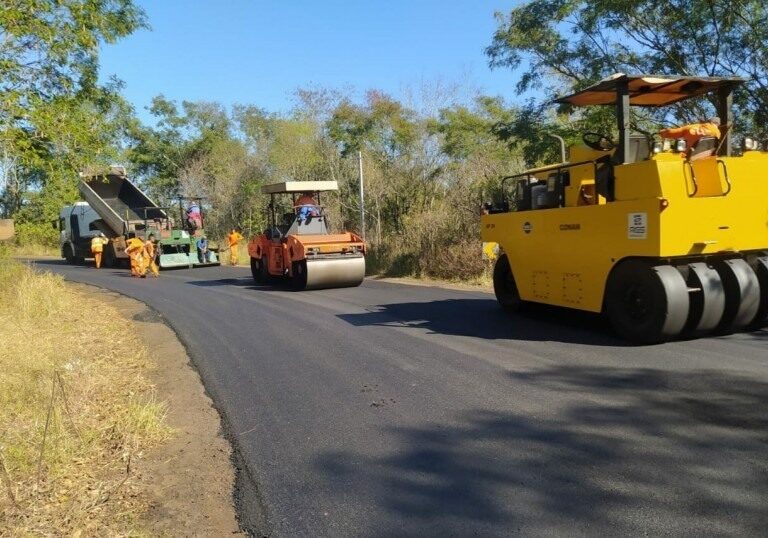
339 272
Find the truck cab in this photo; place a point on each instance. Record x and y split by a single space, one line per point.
77 225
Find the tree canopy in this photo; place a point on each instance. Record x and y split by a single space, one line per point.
565 45
55 118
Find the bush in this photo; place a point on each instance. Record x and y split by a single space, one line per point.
35 233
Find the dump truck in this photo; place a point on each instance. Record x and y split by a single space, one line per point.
300 248
122 208
666 241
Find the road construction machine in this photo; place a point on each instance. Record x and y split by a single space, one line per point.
667 241
117 207
300 248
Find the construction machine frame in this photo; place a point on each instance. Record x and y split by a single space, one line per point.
302 249
666 243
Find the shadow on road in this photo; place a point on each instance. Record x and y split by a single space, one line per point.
629 452
482 318
245 283
242 282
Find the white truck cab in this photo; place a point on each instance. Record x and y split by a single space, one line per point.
77 226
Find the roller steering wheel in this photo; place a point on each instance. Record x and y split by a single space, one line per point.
598 142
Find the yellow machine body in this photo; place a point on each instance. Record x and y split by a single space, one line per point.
562 256
665 239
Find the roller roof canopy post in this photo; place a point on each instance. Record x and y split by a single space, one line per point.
625 91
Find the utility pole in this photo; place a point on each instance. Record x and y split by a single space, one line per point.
362 197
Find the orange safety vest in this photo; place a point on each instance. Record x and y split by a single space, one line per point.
149 247
97 244
234 238
134 246
692 133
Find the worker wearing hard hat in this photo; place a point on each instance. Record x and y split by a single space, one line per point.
234 239
135 250
694 132
150 251
97 247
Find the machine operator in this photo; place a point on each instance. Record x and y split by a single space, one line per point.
306 207
694 132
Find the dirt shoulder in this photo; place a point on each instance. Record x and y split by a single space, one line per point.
189 479
434 283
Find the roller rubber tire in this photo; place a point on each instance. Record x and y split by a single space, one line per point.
646 304
708 302
264 276
255 270
259 270
742 294
299 275
505 287
760 266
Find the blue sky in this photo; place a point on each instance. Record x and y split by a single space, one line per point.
258 52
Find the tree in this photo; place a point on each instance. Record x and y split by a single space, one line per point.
54 116
565 45
193 151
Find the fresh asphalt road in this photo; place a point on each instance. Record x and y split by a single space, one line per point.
398 410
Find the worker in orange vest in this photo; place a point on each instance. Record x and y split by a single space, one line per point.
150 250
694 132
135 250
97 247
234 239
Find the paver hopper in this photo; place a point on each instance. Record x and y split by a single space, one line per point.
125 209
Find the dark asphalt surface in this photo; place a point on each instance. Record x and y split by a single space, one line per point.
397 410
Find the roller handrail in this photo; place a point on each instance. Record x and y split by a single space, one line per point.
529 173
725 174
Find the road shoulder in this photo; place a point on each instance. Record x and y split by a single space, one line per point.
190 478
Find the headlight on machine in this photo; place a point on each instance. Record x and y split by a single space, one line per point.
680 145
749 144
658 147
666 145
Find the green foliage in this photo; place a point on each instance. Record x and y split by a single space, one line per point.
50 47
382 126
192 152
564 45
55 119
36 233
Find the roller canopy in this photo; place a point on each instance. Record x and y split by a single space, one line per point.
299 186
648 90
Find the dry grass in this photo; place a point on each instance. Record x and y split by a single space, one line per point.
75 410
32 250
